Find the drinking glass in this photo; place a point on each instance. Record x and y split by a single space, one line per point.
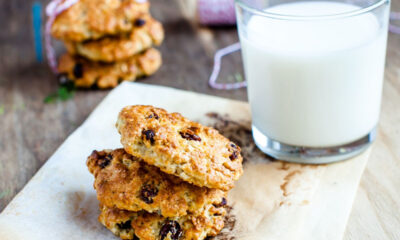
315 73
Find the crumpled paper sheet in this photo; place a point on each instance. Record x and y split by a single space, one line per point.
272 200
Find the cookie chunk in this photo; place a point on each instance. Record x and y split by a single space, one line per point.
93 19
126 182
86 74
178 146
150 226
146 33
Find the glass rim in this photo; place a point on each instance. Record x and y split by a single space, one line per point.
353 13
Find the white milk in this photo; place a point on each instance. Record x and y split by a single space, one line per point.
314 83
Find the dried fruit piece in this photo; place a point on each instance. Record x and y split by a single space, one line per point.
149 135
140 22
234 155
147 193
125 225
104 162
235 152
189 134
153 115
222 203
171 227
78 70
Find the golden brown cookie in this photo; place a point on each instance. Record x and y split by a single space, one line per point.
146 33
178 146
86 74
126 182
150 226
93 19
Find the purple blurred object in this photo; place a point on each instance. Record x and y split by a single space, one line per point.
216 12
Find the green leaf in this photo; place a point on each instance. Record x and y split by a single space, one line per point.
64 92
51 98
1 110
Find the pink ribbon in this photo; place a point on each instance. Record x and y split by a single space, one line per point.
53 9
219 12
217 67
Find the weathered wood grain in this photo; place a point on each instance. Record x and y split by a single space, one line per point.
31 131
376 213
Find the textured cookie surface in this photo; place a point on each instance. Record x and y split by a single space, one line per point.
86 74
146 33
93 19
125 182
178 146
150 226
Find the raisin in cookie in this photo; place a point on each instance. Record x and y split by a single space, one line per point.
126 182
86 74
178 146
148 32
93 19
150 226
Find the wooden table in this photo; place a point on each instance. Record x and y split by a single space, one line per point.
31 130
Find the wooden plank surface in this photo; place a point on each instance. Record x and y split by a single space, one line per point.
31 131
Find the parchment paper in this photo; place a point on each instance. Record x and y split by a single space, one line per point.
273 200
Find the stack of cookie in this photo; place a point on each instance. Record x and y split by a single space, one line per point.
108 41
170 180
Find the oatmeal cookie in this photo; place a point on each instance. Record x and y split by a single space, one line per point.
93 19
86 74
193 152
126 182
150 226
147 32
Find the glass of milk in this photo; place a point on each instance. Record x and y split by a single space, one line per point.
315 72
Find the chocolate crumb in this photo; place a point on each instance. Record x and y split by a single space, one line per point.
240 134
